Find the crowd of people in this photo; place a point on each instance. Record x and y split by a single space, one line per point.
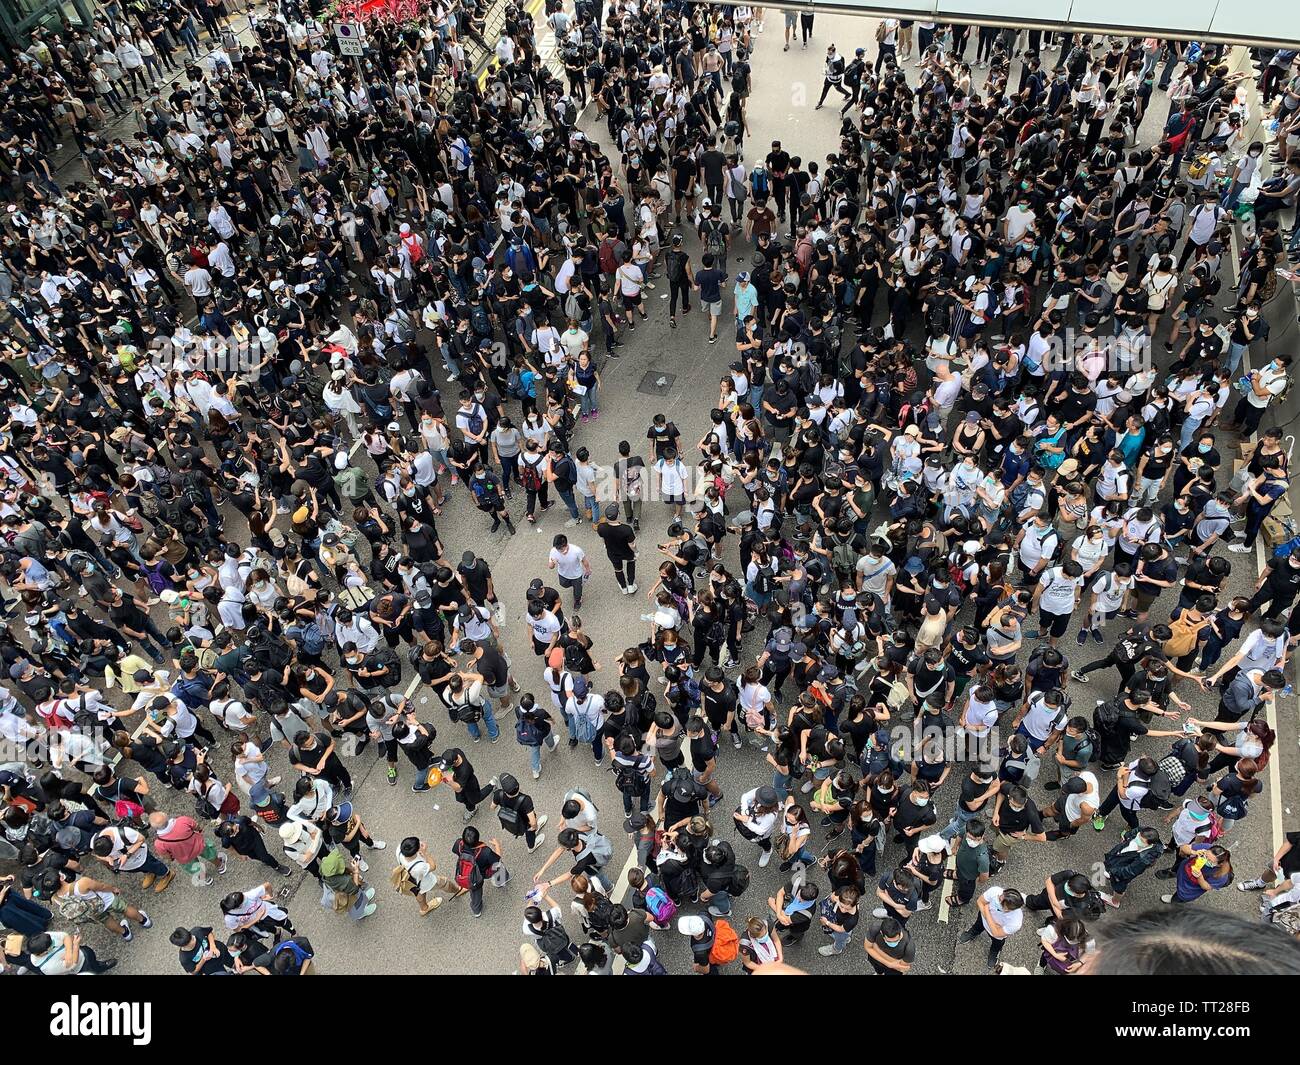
984 398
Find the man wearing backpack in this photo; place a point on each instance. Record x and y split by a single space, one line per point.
1140 785
546 929
517 812
591 853
681 279
477 862
715 236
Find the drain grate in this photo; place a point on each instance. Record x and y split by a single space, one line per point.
656 383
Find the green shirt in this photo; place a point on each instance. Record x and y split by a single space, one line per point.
972 862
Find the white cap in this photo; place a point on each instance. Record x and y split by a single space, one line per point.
692 925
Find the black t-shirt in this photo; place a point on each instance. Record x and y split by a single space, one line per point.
314 758
513 812
189 956
493 668
476 578
703 751
1011 821
618 541
718 706
663 437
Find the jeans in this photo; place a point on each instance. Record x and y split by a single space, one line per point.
576 584
152 866
1235 352
489 720
641 802
589 506
957 826
566 494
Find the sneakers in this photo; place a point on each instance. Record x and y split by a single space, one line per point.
1097 637
1082 638
537 774
392 774
541 821
764 858
631 589
537 842
552 742
1099 823
378 845
1166 899
145 920
829 950
1082 678
807 786
1239 549
735 740
1242 885
571 523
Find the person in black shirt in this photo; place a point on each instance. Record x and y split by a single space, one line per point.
620 547
314 754
201 952
243 835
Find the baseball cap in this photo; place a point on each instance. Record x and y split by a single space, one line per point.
691 925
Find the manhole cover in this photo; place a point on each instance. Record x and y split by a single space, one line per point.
656 384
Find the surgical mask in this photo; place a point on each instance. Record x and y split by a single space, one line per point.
921 802
973 842
1204 449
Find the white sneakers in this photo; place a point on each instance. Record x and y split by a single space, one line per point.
764 858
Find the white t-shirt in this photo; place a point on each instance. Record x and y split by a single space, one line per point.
1010 921
1058 591
1110 591
568 564
1019 220
544 627
672 477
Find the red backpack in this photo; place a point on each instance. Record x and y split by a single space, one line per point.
606 257
466 865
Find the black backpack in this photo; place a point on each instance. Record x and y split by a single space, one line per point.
629 779
554 941
675 264
739 881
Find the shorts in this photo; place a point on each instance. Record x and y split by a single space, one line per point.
114 908
631 303
1142 600
791 19
1053 624
675 500
497 694
714 309
1003 843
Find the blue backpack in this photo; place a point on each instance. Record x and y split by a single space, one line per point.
758 182
1287 548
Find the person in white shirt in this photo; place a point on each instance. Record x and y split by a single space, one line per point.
1055 597
756 819
1001 915
671 473
570 562
1108 592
